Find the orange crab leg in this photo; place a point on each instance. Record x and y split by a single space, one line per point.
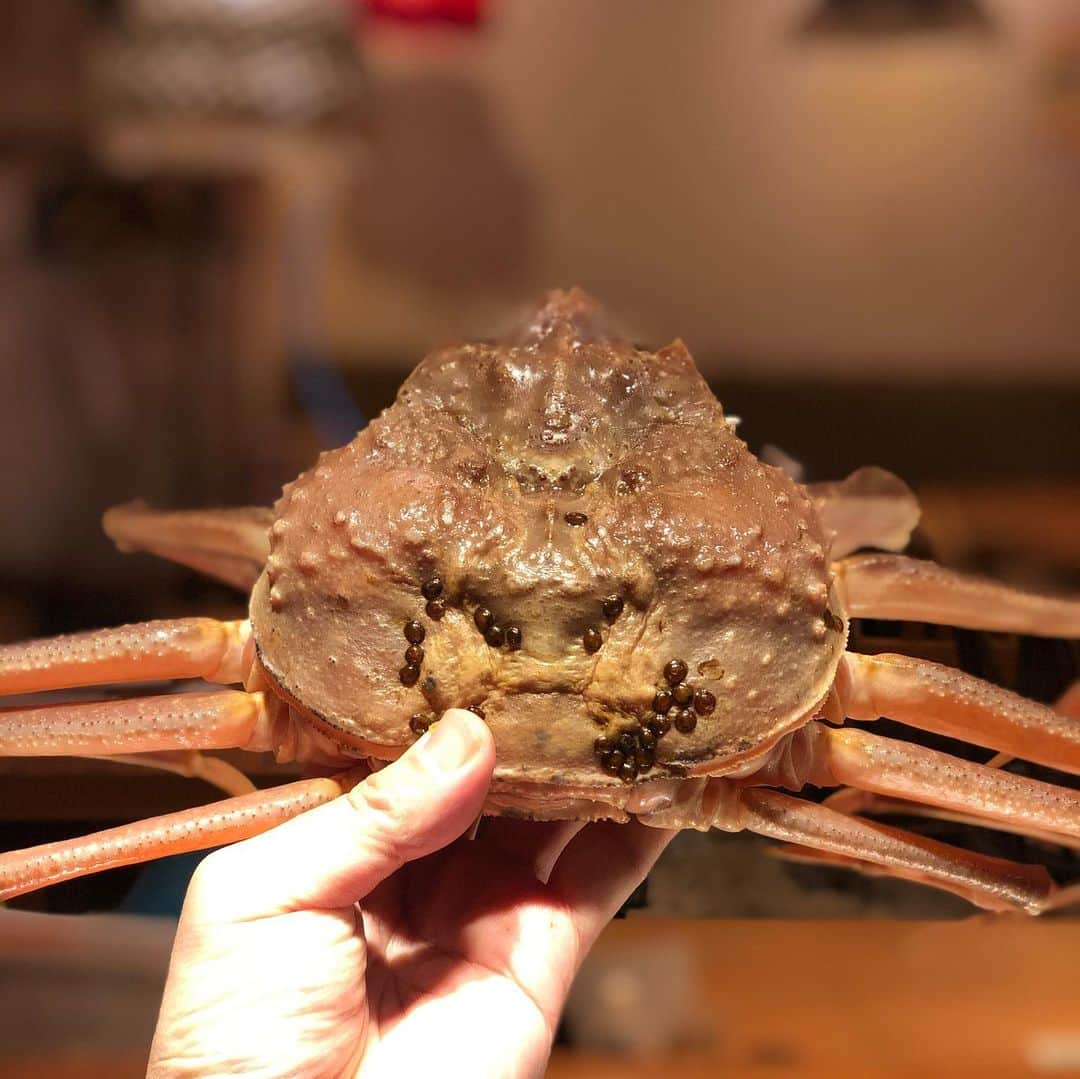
893 586
174 833
899 769
1059 897
189 763
854 802
824 835
146 651
978 894
223 719
1069 704
937 698
228 544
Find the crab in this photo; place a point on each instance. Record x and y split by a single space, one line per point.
563 533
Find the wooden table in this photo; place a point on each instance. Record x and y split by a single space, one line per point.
990 997
987 997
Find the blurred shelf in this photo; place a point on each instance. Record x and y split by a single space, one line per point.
284 187
226 148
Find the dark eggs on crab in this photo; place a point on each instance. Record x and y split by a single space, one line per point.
562 529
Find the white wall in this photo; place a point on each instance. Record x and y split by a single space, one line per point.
907 206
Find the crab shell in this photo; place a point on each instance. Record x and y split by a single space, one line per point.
537 477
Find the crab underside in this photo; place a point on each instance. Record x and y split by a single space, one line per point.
563 533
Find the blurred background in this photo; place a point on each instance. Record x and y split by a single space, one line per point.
229 228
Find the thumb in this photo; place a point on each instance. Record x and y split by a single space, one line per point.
335 854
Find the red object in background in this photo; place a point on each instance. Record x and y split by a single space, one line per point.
463 12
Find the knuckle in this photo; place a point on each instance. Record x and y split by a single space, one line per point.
382 817
211 877
208 872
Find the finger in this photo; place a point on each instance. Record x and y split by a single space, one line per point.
538 935
599 871
335 854
535 844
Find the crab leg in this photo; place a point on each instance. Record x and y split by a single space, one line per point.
223 719
870 508
1040 903
189 763
146 651
1069 704
825 835
854 802
228 544
174 833
893 586
1059 898
899 769
937 698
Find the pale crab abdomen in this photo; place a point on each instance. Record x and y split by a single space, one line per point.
566 535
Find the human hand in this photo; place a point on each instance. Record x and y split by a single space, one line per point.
368 938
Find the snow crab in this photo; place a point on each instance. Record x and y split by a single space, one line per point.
563 533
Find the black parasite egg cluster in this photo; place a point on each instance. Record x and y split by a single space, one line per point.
421 721
415 633
611 606
414 653
496 635
632 751
628 754
435 606
432 591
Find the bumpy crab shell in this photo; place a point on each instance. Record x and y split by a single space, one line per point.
558 516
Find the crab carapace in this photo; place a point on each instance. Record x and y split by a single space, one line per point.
562 532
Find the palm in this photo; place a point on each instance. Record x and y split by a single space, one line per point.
460 957
466 949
